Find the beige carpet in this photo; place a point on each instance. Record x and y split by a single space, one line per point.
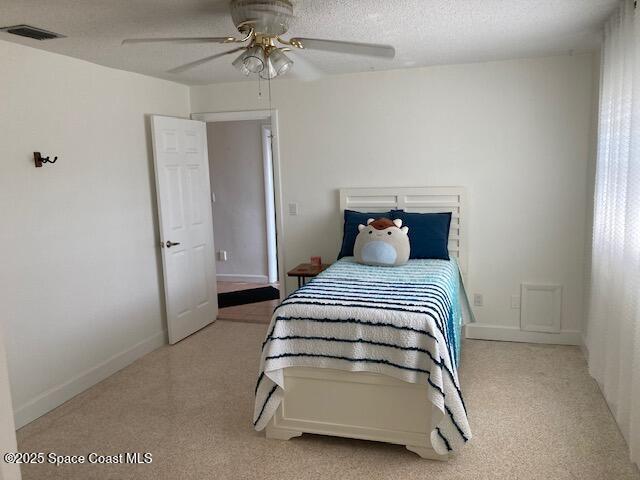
534 411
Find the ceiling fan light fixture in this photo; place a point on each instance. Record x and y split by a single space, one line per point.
269 72
279 61
255 59
239 64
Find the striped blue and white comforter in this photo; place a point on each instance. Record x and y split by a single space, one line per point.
403 322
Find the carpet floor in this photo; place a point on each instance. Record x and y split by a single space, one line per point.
535 413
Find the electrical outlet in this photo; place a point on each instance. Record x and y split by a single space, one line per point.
293 209
222 255
478 300
515 301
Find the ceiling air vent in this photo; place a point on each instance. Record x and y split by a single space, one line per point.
31 32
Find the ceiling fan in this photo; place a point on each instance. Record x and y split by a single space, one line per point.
261 24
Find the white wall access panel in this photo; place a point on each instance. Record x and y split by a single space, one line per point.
541 308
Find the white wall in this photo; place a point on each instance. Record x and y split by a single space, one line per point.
591 186
8 443
515 133
239 215
80 275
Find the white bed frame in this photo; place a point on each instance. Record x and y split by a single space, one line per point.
359 404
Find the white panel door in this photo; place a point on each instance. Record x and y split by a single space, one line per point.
186 228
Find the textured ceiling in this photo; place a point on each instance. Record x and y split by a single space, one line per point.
424 32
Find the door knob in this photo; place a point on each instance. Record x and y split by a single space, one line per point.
171 244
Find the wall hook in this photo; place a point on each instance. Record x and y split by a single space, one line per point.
39 159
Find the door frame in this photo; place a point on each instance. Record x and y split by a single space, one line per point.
270 116
269 202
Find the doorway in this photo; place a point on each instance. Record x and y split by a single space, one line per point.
244 182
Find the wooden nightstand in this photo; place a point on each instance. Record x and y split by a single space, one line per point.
306 270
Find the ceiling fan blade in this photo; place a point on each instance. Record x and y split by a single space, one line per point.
129 41
303 69
189 65
353 48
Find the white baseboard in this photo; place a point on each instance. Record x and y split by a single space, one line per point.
584 348
229 277
514 334
56 396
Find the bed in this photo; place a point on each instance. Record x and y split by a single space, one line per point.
372 352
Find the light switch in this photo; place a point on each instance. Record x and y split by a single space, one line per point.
478 300
515 301
293 209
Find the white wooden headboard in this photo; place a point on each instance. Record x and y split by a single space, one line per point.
415 199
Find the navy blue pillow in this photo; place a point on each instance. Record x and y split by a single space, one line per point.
351 221
428 233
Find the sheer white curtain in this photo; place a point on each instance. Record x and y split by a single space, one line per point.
613 332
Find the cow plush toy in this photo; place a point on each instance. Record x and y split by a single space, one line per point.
382 242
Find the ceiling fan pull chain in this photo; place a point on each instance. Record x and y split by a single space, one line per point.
270 107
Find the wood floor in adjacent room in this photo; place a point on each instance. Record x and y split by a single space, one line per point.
535 414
